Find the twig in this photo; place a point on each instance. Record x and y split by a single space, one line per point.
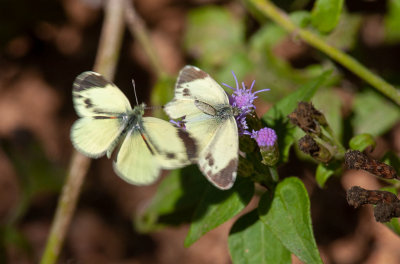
268 9
138 29
106 61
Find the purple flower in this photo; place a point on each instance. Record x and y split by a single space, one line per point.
243 99
265 137
180 124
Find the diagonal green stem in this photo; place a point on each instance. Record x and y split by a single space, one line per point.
269 10
106 61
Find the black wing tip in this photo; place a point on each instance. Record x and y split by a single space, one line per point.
89 79
190 73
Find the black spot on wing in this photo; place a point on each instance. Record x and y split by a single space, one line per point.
210 159
225 177
171 155
88 103
88 80
190 144
186 92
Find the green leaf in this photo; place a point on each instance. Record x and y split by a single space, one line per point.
362 141
37 174
373 113
394 225
301 18
213 34
392 22
345 35
162 92
322 174
287 214
276 117
329 103
175 200
217 207
325 14
250 241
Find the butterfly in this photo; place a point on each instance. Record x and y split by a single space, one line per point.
210 119
144 145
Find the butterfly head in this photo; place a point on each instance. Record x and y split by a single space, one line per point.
139 109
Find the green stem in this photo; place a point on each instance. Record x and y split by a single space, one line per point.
106 61
274 173
281 18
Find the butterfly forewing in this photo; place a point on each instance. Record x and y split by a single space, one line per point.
95 96
93 137
193 85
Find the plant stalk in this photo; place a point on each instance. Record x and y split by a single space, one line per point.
106 62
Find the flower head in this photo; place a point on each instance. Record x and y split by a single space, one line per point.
265 137
267 140
243 99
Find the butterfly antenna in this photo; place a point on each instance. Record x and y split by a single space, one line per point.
134 90
153 107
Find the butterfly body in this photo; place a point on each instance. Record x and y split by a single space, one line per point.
143 145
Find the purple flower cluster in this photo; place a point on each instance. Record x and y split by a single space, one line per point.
243 99
265 137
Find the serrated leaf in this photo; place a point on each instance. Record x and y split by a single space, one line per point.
373 114
286 212
276 117
250 241
216 207
362 141
175 200
325 14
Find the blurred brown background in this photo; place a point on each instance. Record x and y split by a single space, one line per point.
44 45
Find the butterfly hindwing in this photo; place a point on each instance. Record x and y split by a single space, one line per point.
219 159
173 147
93 95
135 162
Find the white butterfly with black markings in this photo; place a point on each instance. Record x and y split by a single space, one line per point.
210 119
144 145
